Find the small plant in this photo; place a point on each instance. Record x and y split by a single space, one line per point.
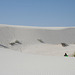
40 40
64 44
12 43
73 54
17 42
66 55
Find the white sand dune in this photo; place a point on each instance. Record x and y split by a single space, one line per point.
36 50
29 38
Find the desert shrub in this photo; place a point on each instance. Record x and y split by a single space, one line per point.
12 43
66 55
40 40
73 54
17 42
64 44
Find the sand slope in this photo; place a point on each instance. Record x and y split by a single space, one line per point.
16 63
29 37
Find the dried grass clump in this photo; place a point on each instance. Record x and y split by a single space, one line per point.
40 40
16 42
73 54
64 44
12 43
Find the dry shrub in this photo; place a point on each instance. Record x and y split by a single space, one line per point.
73 54
64 44
40 40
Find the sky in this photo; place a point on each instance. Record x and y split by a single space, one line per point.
45 13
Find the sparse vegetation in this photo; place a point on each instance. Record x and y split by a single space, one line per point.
16 42
64 44
40 40
73 54
12 43
66 55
